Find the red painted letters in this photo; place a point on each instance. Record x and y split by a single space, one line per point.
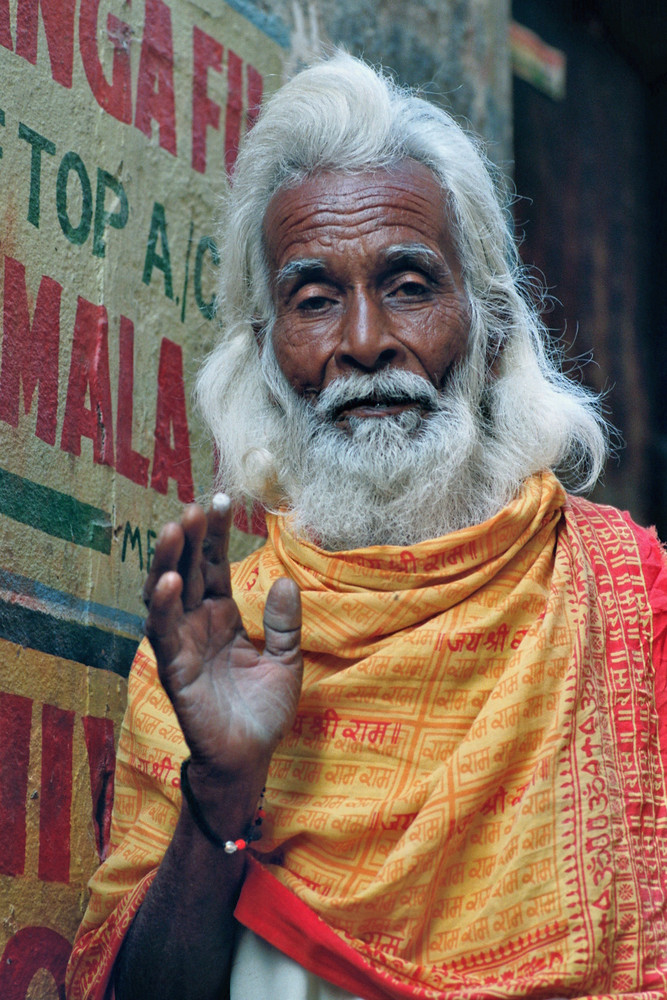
89 371
30 353
5 28
114 97
56 794
15 722
28 951
155 86
171 461
58 20
30 358
128 462
155 94
206 54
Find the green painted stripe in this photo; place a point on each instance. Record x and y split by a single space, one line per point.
81 643
55 513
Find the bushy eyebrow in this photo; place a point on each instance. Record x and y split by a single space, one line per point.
415 255
303 269
400 255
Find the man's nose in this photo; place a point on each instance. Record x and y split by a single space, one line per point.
367 342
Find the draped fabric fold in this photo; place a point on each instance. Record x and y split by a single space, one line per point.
471 802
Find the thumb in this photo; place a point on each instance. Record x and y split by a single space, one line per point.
282 620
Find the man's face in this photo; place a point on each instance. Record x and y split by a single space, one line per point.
365 278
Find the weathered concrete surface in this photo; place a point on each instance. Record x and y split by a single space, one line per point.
456 50
117 131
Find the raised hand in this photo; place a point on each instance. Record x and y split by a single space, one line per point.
233 702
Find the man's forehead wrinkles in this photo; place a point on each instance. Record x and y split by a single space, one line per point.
329 231
336 209
356 216
319 204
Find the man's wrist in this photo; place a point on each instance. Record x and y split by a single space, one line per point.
225 804
251 832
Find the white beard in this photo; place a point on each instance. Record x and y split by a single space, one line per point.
392 480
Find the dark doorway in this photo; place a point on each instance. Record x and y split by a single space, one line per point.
590 173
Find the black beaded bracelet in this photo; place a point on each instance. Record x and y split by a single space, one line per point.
252 832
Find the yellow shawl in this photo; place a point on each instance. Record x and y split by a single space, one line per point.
471 797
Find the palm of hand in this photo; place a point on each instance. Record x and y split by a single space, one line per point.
233 702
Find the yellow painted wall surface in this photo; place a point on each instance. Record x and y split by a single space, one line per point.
118 125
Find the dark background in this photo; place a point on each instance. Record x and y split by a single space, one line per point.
591 170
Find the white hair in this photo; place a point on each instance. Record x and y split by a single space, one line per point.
342 115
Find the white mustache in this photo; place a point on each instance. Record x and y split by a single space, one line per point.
389 386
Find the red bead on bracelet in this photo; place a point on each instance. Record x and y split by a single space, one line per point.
232 846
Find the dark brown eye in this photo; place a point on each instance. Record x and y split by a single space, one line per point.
410 288
314 303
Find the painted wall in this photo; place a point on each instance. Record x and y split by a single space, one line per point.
119 122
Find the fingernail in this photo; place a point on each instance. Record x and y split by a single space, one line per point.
221 503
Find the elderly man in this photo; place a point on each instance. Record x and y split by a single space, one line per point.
464 796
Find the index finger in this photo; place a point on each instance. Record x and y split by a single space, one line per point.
217 581
166 555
